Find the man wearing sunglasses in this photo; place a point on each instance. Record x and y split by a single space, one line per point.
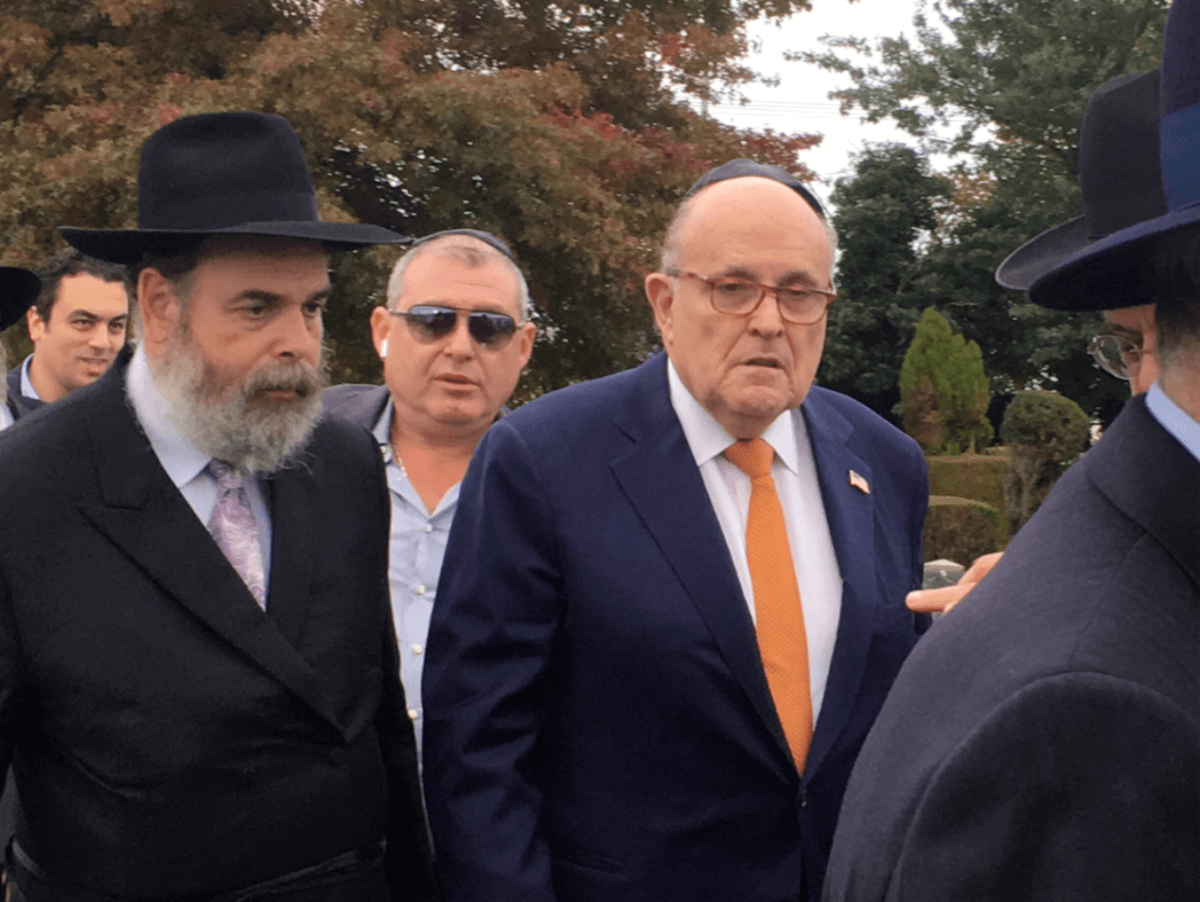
454 337
651 665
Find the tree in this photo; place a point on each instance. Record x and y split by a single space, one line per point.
882 212
944 389
1013 77
1046 433
405 123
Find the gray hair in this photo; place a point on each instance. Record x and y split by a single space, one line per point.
470 251
669 257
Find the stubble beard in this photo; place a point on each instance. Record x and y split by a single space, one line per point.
238 423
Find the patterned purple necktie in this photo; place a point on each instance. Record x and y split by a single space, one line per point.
236 531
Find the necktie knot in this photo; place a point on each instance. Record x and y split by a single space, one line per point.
225 475
752 456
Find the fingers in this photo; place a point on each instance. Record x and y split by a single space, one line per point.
927 601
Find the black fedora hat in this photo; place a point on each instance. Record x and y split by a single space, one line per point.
19 288
1119 174
1110 272
222 174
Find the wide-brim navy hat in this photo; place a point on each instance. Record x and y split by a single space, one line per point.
19 288
1118 172
223 174
1117 271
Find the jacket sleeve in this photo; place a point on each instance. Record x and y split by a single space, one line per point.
1082 786
490 642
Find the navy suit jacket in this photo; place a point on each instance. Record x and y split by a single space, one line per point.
599 726
1043 741
169 738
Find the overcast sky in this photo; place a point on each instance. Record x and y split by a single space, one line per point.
801 102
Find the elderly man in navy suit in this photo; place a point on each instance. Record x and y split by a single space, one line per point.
1043 742
673 599
199 687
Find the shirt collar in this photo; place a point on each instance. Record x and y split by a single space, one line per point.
383 430
27 388
1174 419
708 439
182 460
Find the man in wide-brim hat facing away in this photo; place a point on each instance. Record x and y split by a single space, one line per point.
1043 741
18 289
199 689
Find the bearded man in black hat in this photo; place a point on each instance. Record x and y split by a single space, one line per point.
1043 742
18 289
199 686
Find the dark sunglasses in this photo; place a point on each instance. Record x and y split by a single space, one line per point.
430 322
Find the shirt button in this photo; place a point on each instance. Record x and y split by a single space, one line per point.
418 649
420 590
413 713
429 527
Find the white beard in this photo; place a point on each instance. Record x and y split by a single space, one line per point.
236 424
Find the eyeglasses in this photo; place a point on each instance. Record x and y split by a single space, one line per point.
431 322
741 297
1115 353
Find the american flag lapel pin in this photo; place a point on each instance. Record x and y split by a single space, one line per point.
859 483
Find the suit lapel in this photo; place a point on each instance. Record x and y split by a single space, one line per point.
293 498
145 516
659 476
850 514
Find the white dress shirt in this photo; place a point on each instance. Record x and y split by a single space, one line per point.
187 465
799 491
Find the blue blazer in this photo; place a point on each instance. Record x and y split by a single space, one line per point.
1043 742
599 726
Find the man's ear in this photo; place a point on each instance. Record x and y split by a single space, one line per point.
381 327
660 291
526 335
158 305
35 324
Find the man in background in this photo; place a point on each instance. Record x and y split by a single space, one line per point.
673 599
1122 186
18 289
1044 741
77 325
453 337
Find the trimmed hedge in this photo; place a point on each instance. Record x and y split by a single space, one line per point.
961 529
979 477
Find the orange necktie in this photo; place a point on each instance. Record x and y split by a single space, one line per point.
779 617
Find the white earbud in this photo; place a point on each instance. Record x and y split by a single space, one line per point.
383 350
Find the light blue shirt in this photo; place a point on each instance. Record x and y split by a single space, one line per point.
6 418
187 465
1174 419
418 544
27 388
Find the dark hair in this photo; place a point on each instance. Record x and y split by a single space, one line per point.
1177 302
74 263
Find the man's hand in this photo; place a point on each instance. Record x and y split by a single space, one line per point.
924 601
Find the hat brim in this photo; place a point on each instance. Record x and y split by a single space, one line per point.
1111 272
19 288
1039 255
127 246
